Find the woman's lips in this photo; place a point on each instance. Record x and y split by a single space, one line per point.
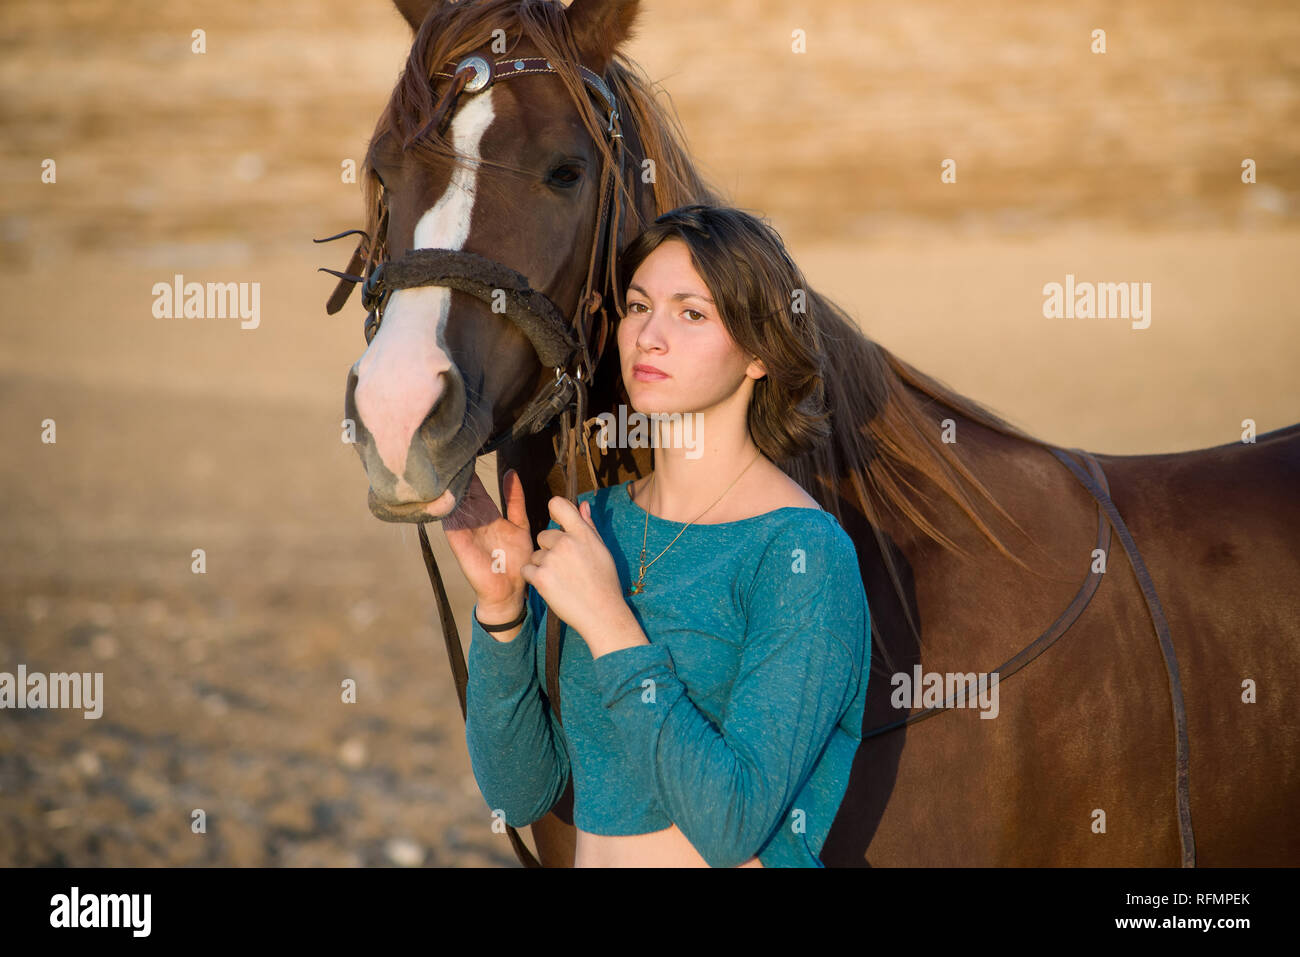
647 374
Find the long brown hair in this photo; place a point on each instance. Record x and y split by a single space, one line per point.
833 405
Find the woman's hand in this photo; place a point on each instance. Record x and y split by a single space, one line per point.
492 550
574 572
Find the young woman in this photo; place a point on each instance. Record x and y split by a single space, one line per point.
714 668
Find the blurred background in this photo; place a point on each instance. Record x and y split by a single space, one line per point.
222 689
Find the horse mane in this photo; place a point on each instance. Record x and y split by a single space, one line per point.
677 181
886 435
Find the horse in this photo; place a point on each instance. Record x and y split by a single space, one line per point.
1078 769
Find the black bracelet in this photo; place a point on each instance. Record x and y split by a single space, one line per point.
508 625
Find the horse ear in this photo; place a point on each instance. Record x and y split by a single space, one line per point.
415 11
599 27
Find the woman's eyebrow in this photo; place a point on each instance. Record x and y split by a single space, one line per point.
675 296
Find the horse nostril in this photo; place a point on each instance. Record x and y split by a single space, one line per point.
448 408
397 404
350 394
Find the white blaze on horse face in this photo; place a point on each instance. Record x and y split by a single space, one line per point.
399 378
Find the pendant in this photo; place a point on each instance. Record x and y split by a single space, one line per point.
639 585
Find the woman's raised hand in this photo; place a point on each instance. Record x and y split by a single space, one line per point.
492 549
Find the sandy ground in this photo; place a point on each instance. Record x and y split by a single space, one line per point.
223 689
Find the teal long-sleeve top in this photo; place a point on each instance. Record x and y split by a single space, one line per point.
738 722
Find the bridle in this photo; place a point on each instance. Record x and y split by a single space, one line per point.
567 348
573 349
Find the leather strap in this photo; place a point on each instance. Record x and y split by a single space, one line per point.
490 281
1044 641
553 637
459 671
1183 759
1107 517
506 625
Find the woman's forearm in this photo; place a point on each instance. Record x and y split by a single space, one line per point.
519 764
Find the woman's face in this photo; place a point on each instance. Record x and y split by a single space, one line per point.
672 325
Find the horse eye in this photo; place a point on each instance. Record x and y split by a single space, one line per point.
565 175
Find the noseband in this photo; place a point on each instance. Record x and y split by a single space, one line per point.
567 347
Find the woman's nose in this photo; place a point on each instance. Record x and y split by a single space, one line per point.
651 335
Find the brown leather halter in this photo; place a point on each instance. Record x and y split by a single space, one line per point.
560 345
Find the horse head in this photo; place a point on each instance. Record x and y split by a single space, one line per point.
502 168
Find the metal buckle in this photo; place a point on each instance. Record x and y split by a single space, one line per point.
373 292
561 394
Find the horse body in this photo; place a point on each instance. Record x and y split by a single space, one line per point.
1078 766
1220 531
1088 727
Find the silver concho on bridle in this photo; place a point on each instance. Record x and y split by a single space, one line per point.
482 72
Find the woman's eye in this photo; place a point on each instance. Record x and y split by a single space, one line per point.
693 314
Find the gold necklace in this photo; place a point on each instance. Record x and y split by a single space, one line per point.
639 585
